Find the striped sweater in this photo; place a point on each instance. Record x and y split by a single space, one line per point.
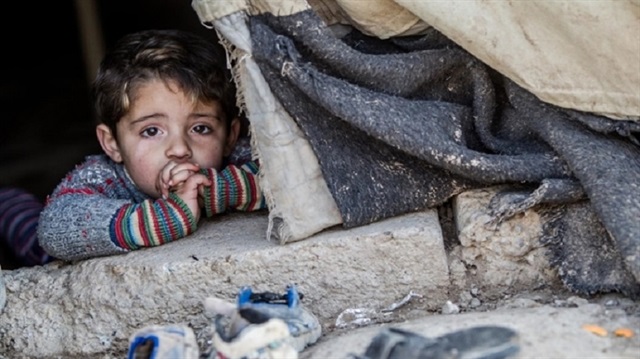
19 212
96 210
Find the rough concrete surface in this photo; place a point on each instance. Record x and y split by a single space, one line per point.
544 331
436 285
90 309
506 259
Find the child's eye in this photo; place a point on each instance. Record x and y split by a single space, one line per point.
201 129
149 132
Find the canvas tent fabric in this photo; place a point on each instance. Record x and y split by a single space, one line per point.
575 54
361 111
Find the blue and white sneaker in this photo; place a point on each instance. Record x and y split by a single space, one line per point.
163 342
261 325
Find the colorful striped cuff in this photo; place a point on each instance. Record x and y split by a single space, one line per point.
233 188
152 223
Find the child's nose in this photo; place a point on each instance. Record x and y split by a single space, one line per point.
179 148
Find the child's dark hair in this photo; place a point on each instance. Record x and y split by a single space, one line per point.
194 63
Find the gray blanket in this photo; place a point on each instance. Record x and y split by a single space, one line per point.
405 124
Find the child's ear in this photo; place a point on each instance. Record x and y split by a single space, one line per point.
232 138
108 142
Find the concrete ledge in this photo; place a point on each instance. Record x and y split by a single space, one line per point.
89 309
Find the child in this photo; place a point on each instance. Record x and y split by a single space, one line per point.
168 125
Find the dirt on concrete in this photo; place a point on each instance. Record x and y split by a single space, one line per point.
548 324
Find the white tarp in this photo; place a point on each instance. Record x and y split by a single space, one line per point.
576 54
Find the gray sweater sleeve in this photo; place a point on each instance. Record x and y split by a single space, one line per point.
76 220
76 226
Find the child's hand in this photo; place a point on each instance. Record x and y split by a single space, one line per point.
189 192
173 176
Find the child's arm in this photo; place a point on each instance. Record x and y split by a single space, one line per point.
233 188
92 213
79 226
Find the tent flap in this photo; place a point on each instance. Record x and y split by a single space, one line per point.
352 126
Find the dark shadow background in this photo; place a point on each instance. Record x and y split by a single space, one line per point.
47 122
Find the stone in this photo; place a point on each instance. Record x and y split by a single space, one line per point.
91 308
505 259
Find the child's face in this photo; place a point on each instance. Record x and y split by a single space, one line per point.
164 127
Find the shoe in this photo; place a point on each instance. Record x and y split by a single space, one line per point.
483 342
268 340
262 325
164 342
